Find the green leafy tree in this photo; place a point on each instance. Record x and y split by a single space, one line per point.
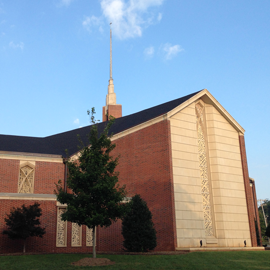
266 207
95 196
23 222
267 231
266 210
137 227
262 223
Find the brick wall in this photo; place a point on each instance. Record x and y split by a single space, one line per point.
110 238
35 244
249 196
9 175
254 196
46 175
113 110
145 168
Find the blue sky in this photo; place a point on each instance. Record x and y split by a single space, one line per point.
55 63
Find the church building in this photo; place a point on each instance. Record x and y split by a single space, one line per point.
186 158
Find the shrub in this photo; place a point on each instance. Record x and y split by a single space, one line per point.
23 222
137 227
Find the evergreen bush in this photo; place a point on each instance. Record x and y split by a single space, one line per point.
137 227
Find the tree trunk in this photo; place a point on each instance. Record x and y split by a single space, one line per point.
94 242
24 243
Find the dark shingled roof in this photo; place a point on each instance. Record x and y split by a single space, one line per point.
57 144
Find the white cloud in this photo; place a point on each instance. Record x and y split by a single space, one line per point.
65 2
149 52
159 17
128 17
76 121
89 22
171 50
19 45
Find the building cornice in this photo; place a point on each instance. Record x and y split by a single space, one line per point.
30 156
201 94
27 196
204 95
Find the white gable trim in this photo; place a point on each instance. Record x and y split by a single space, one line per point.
131 130
177 109
140 126
216 104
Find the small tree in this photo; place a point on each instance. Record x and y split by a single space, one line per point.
23 222
264 215
137 227
95 197
262 224
267 231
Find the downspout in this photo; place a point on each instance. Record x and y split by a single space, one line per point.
65 174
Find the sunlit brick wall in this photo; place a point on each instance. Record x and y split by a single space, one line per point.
145 169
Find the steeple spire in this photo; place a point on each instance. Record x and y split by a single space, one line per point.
111 97
111 107
110 52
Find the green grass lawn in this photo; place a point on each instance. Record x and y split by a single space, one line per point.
196 260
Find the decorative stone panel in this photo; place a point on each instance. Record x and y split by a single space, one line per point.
26 178
61 235
205 190
76 235
89 237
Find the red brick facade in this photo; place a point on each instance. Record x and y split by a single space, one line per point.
47 175
254 196
145 168
35 244
9 175
251 201
113 110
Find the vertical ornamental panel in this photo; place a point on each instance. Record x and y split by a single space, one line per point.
76 235
61 237
89 237
205 191
26 180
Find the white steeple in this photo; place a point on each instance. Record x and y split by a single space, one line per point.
111 96
111 108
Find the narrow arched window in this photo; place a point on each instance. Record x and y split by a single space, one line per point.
26 178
